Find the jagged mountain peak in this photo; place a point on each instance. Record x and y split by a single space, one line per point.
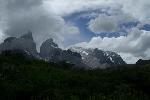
50 42
50 51
24 43
28 35
142 62
9 39
98 58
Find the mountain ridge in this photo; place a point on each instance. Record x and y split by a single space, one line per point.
98 58
50 51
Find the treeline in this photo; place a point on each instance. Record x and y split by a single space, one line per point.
26 79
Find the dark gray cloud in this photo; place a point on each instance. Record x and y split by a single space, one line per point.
21 4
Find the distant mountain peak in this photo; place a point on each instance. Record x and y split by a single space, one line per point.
9 39
50 51
98 58
50 42
24 43
142 62
28 35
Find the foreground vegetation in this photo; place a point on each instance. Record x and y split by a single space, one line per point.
24 79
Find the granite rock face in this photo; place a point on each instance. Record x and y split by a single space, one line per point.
24 43
51 52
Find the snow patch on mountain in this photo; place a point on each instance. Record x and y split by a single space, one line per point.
97 58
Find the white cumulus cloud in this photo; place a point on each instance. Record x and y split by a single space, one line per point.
134 46
103 23
109 23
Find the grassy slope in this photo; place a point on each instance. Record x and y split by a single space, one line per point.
24 79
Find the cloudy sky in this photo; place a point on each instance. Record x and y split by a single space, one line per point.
122 26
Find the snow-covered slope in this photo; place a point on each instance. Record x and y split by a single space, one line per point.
97 58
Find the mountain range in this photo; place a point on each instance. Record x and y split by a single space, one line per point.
49 51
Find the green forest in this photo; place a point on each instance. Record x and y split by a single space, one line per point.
30 79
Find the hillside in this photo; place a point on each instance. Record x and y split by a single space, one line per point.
28 79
